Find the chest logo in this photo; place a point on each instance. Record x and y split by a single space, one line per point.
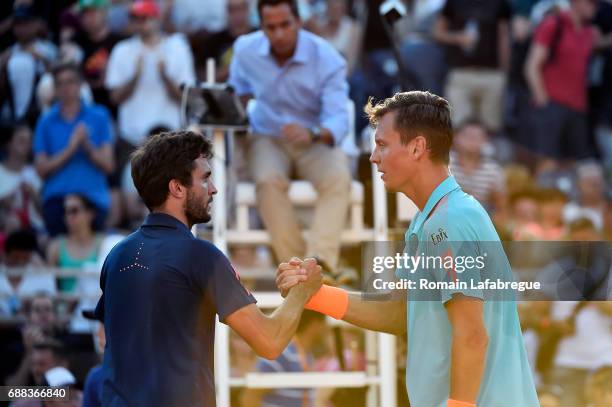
439 237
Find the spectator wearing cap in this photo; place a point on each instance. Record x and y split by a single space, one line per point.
556 71
95 41
143 75
73 151
21 67
477 41
298 120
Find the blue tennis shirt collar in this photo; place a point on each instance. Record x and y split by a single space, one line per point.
443 189
164 220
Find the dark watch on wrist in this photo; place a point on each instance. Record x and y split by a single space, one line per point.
315 134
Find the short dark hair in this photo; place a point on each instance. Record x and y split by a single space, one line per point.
27 305
20 124
66 66
291 3
56 347
164 157
471 121
546 195
523 193
158 129
87 203
21 240
418 112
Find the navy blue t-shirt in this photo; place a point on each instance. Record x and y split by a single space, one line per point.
161 290
92 392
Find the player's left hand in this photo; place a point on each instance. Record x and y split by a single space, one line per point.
296 134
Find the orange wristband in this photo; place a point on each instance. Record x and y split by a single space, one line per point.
330 301
457 403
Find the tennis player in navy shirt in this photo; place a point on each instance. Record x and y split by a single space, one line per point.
162 288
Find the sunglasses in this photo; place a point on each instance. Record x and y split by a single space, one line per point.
75 210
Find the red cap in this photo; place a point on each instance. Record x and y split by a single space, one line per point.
145 8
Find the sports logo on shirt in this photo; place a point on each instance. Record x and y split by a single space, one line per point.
238 278
439 237
136 262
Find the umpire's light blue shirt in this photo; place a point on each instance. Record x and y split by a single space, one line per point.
310 89
455 221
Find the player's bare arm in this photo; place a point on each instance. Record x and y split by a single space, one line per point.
362 312
269 335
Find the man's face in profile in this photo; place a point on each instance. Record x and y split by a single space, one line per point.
281 27
390 155
200 194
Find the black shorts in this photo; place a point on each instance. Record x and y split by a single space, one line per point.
558 132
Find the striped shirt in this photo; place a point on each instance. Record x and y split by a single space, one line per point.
482 182
288 361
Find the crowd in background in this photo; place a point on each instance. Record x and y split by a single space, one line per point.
84 83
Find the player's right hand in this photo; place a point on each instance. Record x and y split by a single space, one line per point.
314 276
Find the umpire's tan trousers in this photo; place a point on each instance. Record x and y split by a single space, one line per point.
272 161
476 93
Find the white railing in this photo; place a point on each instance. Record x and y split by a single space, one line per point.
380 377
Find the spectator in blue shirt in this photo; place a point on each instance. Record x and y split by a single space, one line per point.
73 151
299 118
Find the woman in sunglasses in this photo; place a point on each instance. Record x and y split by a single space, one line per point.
79 248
